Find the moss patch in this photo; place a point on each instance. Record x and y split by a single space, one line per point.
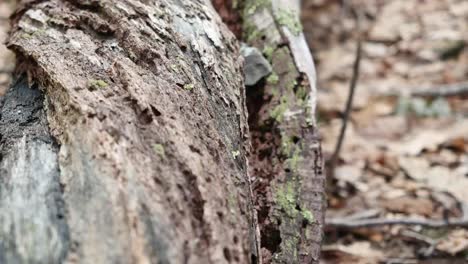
235 154
189 86
308 215
278 112
96 84
252 6
273 79
290 20
268 52
159 149
286 199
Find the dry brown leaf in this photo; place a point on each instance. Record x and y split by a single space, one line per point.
430 139
459 144
362 252
452 181
415 167
438 178
388 127
352 174
403 51
410 205
444 158
455 242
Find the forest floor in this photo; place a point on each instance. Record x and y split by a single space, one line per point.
404 156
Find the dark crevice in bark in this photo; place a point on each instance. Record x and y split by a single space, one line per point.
265 164
22 114
228 10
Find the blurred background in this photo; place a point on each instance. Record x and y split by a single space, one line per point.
404 154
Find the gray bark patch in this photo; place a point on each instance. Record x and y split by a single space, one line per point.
33 228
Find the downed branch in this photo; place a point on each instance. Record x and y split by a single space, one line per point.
373 222
349 102
444 90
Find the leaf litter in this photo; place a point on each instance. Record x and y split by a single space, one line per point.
403 155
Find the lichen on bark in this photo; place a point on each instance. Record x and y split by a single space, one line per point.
286 162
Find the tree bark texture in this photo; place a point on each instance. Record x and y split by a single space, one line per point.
127 140
146 102
286 161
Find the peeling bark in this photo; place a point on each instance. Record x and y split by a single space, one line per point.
145 100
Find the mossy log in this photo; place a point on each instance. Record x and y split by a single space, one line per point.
286 161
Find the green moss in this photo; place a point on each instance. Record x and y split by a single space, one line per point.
235 4
174 68
252 6
159 149
26 36
286 199
268 52
308 215
189 86
96 84
251 31
232 202
274 91
273 79
287 145
292 84
292 151
302 92
278 112
290 246
40 31
294 159
236 153
290 20
34 33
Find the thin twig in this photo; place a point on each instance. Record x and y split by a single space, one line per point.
370 213
417 236
400 261
346 223
349 103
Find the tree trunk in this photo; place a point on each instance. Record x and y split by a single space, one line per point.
125 139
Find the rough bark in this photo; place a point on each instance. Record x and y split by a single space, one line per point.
286 163
145 101
128 141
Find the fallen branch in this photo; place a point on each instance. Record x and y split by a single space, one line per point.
349 102
418 237
443 90
347 223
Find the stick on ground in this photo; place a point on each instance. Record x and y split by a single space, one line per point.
347 223
349 103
